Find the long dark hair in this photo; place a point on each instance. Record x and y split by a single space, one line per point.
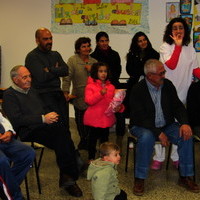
134 48
168 31
94 70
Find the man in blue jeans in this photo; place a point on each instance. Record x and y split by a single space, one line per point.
154 106
15 161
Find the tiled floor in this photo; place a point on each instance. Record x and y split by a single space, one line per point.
160 184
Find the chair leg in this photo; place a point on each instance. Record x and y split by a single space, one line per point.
168 156
27 189
127 154
37 176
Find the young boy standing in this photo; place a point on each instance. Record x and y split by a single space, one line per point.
103 174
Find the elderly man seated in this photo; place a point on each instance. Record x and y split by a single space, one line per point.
154 106
34 122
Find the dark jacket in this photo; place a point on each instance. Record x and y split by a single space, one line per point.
142 109
112 59
135 64
193 104
36 61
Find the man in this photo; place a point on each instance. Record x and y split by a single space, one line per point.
154 107
32 120
104 53
15 161
46 67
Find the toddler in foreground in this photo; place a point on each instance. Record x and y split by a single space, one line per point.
103 174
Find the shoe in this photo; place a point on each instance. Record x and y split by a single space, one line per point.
175 164
74 190
65 180
189 184
138 188
156 165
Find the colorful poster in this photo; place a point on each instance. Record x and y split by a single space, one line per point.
91 16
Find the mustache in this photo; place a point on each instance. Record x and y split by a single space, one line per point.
48 44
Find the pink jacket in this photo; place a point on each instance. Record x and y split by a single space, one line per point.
97 104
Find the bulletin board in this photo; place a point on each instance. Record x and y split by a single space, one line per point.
91 16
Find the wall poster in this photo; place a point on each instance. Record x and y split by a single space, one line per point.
91 16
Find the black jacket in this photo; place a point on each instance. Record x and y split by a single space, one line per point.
142 109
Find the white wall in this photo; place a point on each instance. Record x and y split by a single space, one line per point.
20 19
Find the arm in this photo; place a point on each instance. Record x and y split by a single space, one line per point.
170 57
14 110
92 96
39 66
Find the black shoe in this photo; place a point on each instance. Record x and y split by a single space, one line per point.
65 180
74 190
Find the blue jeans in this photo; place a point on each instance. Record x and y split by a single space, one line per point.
145 147
21 156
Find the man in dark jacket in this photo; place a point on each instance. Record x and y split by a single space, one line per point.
154 107
33 121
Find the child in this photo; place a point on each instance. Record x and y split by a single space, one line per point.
103 174
99 93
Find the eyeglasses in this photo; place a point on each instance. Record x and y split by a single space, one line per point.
175 28
159 74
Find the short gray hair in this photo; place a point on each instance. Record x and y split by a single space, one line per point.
150 66
14 71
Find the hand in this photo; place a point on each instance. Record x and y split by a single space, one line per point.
164 139
185 132
46 69
103 91
6 137
178 39
88 67
66 94
51 117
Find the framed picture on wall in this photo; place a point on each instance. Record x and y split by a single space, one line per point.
185 6
196 41
188 18
172 10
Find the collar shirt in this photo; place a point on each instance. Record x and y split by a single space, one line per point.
156 98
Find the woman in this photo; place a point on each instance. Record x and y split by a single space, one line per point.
79 68
180 61
140 51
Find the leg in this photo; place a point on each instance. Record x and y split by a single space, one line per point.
82 129
159 157
93 137
144 150
185 149
120 128
103 134
22 157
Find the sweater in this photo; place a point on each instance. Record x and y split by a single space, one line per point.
78 77
46 69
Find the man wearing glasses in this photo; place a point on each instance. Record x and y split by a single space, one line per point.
154 106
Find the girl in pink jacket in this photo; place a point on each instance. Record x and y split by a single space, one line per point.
99 92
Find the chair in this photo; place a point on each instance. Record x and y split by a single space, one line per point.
133 139
37 163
